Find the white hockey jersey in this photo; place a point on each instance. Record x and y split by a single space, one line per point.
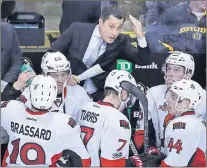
185 142
157 108
38 138
76 96
106 133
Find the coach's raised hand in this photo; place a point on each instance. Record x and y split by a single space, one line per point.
137 27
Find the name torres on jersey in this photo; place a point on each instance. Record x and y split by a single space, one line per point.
89 116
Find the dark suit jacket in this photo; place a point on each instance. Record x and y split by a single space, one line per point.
79 11
7 8
74 42
11 56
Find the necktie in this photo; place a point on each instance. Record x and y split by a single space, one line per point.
94 54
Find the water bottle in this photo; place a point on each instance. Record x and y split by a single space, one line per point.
26 67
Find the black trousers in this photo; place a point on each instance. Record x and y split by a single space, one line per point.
3 150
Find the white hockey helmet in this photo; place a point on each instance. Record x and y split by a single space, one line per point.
182 59
43 92
114 80
54 62
188 89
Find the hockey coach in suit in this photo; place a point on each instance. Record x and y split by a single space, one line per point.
11 55
93 49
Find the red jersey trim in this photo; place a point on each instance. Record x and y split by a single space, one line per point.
139 138
86 162
54 159
4 164
188 113
198 159
35 113
105 103
113 163
163 164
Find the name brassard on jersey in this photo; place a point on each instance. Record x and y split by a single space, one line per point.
33 132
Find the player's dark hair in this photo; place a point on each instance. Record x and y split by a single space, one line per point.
114 11
110 91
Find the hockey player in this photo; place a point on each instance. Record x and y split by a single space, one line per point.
178 66
39 137
70 98
185 135
105 131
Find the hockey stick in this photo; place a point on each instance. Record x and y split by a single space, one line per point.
133 148
129 87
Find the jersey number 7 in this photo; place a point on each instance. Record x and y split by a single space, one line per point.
89 133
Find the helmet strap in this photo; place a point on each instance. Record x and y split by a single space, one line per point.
122 103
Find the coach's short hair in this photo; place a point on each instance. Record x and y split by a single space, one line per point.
114 11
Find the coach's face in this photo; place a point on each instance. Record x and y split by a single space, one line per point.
110 28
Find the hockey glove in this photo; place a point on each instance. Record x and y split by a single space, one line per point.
134 161
153 151
145 161
153 160
69 159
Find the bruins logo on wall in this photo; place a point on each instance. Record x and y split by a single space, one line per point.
27 61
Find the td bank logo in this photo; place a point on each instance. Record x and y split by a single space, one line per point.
124 65
151 66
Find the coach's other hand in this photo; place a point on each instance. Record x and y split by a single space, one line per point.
137 27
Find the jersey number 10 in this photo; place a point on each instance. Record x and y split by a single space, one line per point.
23 152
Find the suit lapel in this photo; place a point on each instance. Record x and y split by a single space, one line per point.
85 39
112 46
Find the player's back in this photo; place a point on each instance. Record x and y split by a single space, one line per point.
36 138
106 134
185 141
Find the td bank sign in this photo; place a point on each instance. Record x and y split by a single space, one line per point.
127 66
124 65
151 66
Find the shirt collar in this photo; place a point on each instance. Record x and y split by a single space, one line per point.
96 32
188 113
105 103
36 113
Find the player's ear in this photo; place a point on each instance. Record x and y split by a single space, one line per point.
100 20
